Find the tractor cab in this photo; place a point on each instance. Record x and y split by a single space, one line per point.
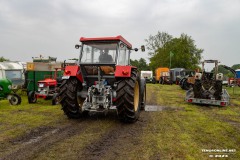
101 57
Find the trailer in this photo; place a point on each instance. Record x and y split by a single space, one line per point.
223 102
207 88
148 76
175 73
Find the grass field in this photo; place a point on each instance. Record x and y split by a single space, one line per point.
179 131
187 129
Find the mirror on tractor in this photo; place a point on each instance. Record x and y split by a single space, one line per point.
143 48
77 46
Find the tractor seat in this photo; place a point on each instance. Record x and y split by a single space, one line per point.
92 70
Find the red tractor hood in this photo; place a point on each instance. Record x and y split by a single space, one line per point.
48 81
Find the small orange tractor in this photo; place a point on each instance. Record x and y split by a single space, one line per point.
163 75
99 85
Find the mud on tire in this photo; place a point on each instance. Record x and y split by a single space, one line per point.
128 98
68 97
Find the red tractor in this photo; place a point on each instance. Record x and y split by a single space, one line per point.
103 80
47 89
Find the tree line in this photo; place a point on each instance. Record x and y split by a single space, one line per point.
2 59
164 50
172 52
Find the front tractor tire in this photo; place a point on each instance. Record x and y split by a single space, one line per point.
71 104
15 99
128 100
55 99
32 97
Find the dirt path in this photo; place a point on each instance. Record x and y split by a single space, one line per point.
62 140
119 141
112 143
41 138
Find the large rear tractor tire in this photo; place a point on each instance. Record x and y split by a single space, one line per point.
181 82
71 104
153 81
15 99
197 89
218 90
186 85
128 100
161 81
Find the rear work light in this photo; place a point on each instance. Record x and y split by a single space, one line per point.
223 103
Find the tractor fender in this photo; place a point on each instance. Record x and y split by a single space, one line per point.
123 71
73 71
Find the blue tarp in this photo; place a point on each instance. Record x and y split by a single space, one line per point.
238 73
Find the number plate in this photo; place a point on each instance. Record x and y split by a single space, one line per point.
65 77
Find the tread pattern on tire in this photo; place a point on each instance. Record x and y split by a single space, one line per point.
18 98
68 97
218 90
197 89
125 98
31 97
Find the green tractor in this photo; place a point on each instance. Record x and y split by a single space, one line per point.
7 92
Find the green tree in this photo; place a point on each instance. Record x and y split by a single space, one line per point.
157 41
226 72
141 64
3 59
236 66
222 70
182 51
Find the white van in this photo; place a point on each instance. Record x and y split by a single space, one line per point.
13 71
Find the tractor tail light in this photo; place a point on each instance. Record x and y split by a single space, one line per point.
223 103
67 72
125 72
190 100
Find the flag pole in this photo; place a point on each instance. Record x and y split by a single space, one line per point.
170 55
170 61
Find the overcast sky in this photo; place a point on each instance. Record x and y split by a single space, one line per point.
29 28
